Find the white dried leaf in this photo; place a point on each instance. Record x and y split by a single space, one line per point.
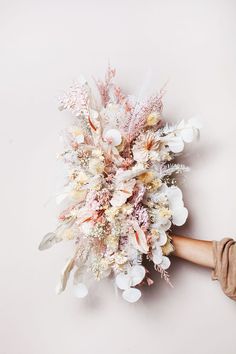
127 175
61 197
51 238
65 275
48 241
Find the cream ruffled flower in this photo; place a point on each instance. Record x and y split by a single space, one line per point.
147 147
96 166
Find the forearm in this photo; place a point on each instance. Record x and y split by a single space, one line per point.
196 251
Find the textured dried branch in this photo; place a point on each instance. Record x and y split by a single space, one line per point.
164 274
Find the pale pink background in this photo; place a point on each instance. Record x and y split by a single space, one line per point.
44 46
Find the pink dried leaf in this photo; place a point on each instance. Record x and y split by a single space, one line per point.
138 115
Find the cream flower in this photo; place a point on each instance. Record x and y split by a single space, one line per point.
78 134
98 154
111 213
153 118
68 234
82 178
78 195
146 177
147 147
155 185
96 166
127 209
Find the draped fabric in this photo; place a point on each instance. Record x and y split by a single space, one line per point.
224 253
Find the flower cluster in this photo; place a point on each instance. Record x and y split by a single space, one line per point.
121 197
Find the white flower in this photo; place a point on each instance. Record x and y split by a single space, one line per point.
173 196
125 282
183 133
176 205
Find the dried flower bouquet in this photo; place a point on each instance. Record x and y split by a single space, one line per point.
121 197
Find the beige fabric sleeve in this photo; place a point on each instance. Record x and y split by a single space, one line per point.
224 253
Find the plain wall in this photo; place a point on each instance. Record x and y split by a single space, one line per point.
45 45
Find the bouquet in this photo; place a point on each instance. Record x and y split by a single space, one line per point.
121 196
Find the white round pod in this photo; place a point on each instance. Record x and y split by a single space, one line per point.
114 136
131 295
81 290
